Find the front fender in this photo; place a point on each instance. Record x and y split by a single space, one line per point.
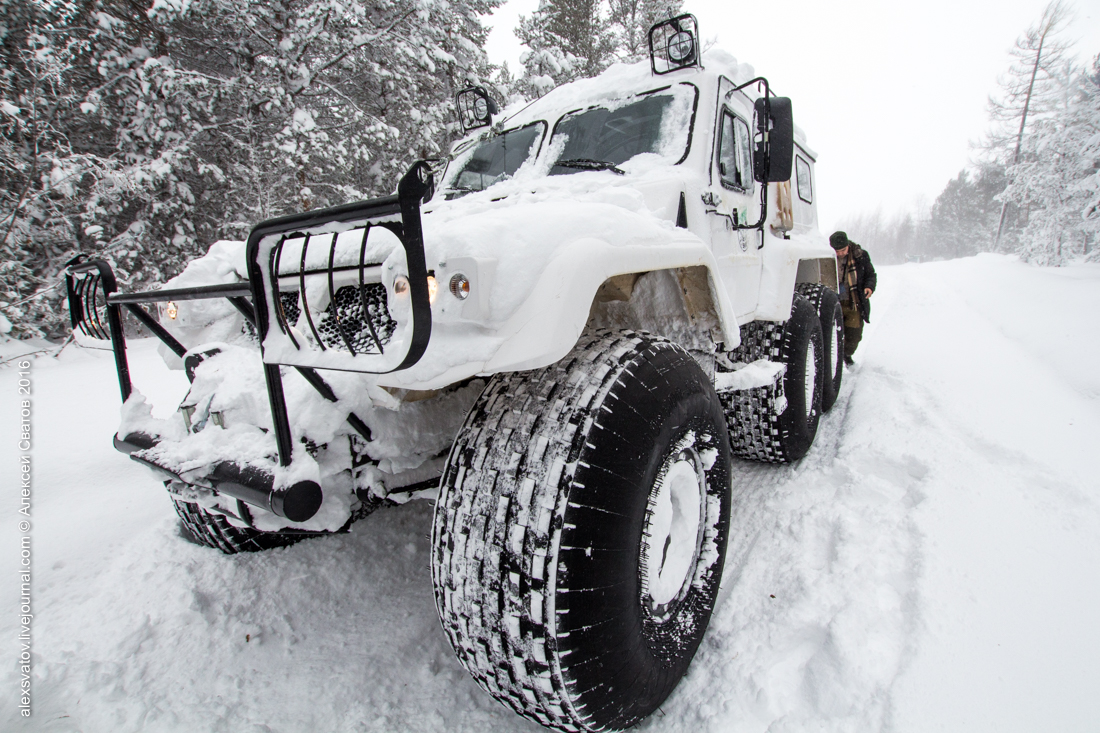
551 319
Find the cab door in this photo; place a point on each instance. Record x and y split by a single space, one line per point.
732 199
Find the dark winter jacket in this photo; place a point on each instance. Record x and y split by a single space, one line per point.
866 277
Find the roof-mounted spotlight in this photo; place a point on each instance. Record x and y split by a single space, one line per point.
674 44
475 107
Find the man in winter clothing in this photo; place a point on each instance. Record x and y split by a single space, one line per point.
857 282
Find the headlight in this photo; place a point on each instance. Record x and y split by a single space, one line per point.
681 47
401 287
481 108
171 310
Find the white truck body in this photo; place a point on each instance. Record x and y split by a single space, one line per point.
536 248
653 248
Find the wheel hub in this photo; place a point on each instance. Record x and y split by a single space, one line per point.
838 359
673 533
811 376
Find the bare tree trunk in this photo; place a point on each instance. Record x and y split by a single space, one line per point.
1020 134
1051 15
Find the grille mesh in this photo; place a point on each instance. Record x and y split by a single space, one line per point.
289 302
348 305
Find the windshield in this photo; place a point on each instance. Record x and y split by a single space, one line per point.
606 137
496 159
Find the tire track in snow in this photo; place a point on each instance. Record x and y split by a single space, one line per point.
822 562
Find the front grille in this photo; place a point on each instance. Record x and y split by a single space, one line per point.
346 267
343 322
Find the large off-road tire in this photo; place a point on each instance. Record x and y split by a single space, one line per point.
580 531
778 423
214 530
827 304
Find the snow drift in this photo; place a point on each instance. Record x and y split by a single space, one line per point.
930 564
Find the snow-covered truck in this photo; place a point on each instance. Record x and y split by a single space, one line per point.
611 292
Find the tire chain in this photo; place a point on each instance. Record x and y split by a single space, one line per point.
520 445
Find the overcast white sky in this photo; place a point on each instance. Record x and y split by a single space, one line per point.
890 94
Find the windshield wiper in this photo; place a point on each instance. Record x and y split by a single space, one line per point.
588 164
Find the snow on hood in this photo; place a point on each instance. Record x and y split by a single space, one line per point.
523 226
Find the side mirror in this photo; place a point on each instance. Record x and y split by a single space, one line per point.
475 108
774 153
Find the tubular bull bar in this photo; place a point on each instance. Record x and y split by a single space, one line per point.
347 327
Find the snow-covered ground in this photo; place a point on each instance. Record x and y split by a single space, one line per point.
932 564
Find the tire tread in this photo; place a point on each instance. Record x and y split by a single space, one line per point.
520 443
759 427
214 530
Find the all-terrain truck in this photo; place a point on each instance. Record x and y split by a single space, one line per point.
563 335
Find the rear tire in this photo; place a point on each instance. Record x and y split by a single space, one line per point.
580 531
827 304
778 423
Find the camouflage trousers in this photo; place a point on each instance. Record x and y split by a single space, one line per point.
853 328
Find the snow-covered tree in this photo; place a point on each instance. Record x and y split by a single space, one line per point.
141 132
45 159
1034 86
573 39
966 214
1058 178
630 21
566 40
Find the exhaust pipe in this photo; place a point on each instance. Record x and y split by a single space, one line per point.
297 502
256 486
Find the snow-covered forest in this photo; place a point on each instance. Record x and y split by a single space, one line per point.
1034 186
143 133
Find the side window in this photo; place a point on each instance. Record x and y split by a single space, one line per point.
805 185
734 161
744 147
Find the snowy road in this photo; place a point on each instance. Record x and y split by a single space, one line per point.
933 564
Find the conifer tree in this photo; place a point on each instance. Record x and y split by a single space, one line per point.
1058 178
567 40
1035 85
630 21
965 213
142 131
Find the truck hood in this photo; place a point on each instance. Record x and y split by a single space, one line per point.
523 228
